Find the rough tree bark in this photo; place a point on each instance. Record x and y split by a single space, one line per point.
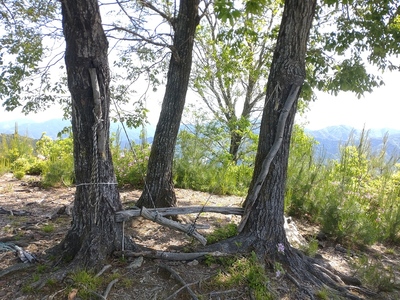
159 189
262 226
94 234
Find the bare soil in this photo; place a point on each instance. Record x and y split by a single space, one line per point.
45 220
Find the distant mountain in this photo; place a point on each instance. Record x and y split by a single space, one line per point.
53 127
331 138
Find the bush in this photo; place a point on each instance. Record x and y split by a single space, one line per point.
130 165
354 198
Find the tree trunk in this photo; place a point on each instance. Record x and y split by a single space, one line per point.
236 140
94 234
266 215
159 188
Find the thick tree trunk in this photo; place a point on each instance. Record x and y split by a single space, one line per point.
266 212
94 233
159 189
262 226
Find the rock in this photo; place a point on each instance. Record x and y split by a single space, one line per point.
193 263
137 263
293 235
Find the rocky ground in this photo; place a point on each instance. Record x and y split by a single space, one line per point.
36 219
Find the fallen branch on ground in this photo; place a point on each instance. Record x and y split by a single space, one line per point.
189 229
15 268
170 255
126 215
11 212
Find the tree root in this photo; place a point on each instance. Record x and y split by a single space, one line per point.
15 268
180 280
308 274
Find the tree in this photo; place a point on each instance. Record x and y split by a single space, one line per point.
262 226
230 68
159 191
94 234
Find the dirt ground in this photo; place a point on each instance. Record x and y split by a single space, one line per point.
44 221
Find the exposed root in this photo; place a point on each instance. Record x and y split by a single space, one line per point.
109 286
180 280
307 274
105 268
15 268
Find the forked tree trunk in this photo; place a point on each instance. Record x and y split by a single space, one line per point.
159 189
94 234
265 223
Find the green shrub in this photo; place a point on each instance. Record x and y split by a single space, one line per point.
246 271
57 168
130 165
222 233
354 198
38 167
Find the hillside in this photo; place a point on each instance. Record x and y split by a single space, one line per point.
35 130
329 139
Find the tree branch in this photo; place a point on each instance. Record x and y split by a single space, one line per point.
155 9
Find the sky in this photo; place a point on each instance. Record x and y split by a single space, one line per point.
379 109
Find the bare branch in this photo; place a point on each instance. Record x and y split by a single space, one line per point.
155 9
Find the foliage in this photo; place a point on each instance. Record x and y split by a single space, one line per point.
130 163
222 233
58 156
86 282
375 274
48 228
311 248
231 66
203 163
246 271
26 26
355 198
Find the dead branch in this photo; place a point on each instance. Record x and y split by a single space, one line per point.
15 268
11 212
189 229
170 255
179 279
126 215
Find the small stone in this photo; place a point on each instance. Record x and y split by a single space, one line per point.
137 263
193 263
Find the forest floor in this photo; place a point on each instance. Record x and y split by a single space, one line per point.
47 222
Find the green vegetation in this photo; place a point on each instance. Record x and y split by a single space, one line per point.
246 271
48 228
375 274
52 160
86 282
222 233
355 198
130 164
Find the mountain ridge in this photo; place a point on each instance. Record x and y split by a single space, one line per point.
329 138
